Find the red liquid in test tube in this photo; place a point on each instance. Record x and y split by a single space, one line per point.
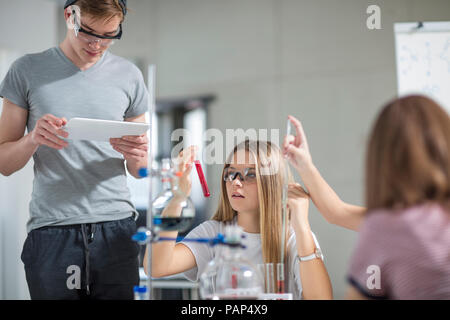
201 176
280 285
234 282
280 277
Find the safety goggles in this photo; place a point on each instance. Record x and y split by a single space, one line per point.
92 38
248 176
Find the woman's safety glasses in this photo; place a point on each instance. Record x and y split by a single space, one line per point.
248 176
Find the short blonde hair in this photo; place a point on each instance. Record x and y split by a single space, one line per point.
103 9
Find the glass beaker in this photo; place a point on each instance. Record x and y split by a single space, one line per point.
171 209
230 275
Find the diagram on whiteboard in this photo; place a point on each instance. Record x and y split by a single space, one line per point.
423 62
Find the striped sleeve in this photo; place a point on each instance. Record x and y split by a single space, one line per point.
368 270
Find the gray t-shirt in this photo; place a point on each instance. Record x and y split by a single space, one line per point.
86 181
253 252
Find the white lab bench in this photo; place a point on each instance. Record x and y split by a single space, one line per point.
188 288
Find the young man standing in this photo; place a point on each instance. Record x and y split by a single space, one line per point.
81 217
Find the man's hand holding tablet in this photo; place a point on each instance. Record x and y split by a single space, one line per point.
133 148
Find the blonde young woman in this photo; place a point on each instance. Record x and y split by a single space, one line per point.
403 249
251 193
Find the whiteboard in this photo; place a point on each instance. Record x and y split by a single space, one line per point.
423 59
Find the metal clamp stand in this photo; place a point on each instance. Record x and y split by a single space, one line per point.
150 234
145 236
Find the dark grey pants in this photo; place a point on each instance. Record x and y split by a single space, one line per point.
86 261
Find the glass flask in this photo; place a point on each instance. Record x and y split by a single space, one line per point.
229 275
169 214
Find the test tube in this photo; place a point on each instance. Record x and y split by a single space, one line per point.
262 271
288 127
201 176
280 277
284 216
234 280
269 278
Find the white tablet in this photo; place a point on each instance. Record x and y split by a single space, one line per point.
102 130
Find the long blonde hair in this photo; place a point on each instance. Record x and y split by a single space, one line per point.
270 172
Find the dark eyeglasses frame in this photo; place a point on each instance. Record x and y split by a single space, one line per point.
116 37
80 29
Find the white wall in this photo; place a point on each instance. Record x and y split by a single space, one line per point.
27 26
14 196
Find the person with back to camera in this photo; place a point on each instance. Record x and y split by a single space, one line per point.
403 247
81 215
251 197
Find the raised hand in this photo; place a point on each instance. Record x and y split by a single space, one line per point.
296 147
184 166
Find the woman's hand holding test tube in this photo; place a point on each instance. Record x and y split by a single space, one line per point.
184 164
328 203
296 147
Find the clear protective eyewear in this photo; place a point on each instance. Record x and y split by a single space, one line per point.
92 38
248 176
